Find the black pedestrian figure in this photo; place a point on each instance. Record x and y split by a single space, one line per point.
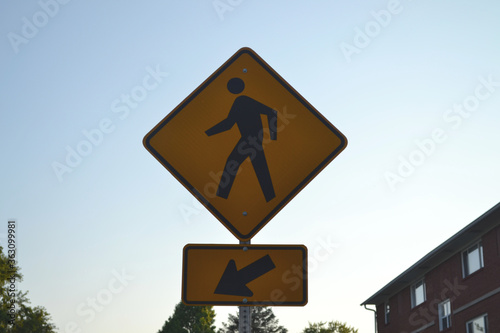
246 114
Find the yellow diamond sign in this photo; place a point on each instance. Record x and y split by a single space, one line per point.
244 143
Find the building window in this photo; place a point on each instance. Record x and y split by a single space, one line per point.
444 310
472 259
387 312
478 325
417 293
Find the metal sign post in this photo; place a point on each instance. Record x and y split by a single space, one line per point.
245 313
245 319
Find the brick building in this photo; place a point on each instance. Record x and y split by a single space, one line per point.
454 288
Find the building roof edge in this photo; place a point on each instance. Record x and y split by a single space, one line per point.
480 226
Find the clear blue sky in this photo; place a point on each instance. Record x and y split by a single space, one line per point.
414 85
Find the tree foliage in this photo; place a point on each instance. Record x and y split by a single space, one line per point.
16 316
331 327
190 319
263 321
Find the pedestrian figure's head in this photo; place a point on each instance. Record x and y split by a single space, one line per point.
235 85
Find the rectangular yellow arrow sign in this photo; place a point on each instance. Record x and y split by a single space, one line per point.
253 275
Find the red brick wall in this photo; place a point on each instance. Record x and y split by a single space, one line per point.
446 282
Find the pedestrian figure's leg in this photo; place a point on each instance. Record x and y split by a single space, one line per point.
262 171
233 163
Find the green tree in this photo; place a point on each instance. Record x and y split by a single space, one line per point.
331 327
25 319
190 319
263 321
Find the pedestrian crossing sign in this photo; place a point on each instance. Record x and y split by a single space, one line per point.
244 143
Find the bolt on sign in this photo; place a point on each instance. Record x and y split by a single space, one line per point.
244 143
242 275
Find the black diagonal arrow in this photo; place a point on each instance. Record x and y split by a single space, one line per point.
233 281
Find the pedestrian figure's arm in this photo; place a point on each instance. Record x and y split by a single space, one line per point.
223 126
272 120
